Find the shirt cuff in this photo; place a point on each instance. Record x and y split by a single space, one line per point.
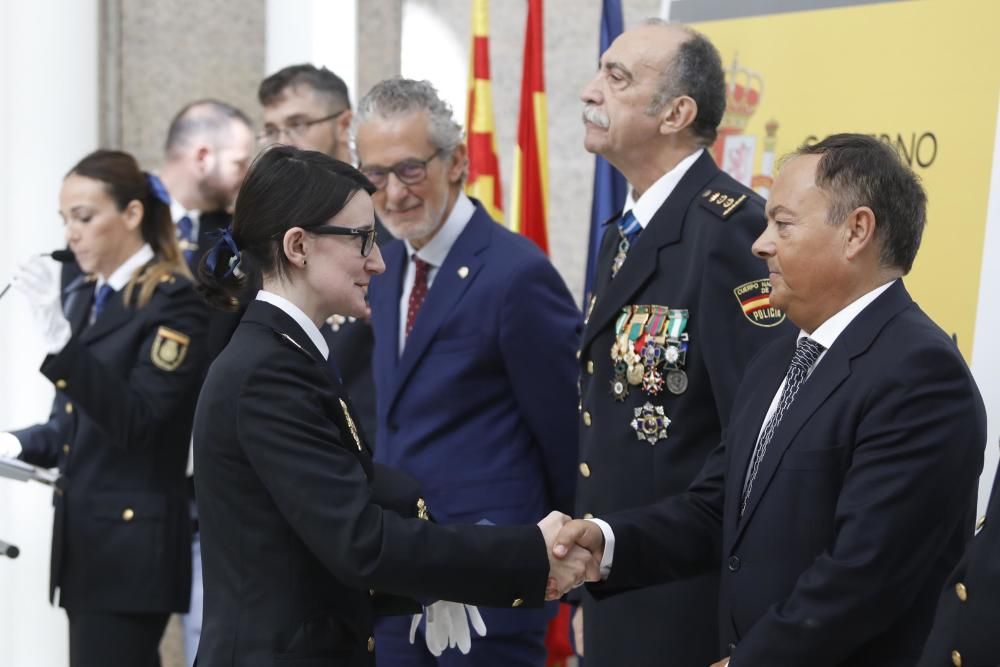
609 546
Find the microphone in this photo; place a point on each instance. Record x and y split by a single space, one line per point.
8 550
64 256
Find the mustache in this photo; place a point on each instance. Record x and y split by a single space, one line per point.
592 114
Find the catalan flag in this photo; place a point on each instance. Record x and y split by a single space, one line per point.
530 198
483 181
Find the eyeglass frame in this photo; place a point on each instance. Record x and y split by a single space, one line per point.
393 169
369 234
298 128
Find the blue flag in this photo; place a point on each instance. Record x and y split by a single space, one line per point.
609 184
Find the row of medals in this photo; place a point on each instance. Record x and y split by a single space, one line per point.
639 364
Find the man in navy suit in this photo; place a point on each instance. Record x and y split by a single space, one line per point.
474 363
208 150
844 489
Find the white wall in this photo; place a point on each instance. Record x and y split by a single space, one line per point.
321 32
48 120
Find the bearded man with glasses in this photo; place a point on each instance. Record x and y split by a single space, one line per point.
475 340
309 107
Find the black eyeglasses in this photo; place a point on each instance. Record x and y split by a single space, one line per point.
367 234
294 130
409 172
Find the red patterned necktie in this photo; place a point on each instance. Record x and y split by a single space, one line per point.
418 293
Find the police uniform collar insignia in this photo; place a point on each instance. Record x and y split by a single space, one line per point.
350 424
721 203
650 423
169 349
754 298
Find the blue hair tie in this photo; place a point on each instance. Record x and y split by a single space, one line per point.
156 187
225 242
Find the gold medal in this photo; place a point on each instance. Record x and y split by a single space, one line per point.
635 373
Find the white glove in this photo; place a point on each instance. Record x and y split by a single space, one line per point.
448 626
10 446
38 284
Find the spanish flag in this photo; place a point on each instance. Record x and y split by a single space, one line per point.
530 198
483 181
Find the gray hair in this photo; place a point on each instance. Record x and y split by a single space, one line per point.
399 96
695 71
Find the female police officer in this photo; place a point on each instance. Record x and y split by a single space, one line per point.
126 362
293 546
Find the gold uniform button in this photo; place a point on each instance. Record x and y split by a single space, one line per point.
578 354
517 603
66 449
588 515
69 408
980 522
961 591
371 644
956 658
585 470
128 514
60 384
590 367
586 418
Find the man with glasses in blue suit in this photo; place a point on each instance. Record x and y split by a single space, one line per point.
475 371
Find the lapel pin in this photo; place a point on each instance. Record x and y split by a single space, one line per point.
463 272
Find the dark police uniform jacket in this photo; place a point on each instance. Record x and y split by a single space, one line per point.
860 508
119 433
693 256
966 629
292 544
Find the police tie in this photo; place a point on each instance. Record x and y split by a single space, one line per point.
805 356
418 293
101 299
628 230
185 238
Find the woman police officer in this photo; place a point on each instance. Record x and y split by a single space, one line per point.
126 361
293 544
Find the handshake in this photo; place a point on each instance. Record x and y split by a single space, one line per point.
575 549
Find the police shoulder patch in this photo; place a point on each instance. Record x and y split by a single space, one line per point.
754 299
722 203
169 349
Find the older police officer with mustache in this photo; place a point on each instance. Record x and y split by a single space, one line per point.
680 307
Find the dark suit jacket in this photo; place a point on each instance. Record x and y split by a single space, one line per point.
481 407
968 613
693 255
119 433
859 511
291 540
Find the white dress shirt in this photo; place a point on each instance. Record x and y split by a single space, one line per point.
177 211
119 277
825 334
434 253
300 318
652 199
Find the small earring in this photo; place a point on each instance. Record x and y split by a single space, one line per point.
303 262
